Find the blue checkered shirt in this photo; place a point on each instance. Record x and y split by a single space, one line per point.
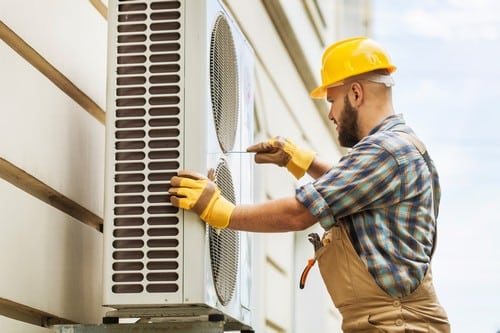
381 190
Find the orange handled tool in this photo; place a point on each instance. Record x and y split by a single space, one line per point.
303 277
316 241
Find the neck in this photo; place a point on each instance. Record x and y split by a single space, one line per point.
373 111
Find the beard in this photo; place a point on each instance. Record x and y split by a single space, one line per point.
348 125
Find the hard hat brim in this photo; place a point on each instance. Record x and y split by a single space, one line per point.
318 93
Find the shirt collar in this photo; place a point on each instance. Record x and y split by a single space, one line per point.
388 123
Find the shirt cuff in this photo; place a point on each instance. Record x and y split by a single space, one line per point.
314 201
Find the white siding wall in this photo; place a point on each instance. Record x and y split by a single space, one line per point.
51 149
50 261
14 326
355 18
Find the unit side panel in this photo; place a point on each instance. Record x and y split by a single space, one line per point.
200 142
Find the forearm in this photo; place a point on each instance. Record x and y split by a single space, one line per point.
279 215
318 167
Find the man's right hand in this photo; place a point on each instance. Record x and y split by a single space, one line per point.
193 191
283 152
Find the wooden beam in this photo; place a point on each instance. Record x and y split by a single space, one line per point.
61 81
29 315
101 8
292 44
42 191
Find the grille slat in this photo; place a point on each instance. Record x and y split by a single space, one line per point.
124 28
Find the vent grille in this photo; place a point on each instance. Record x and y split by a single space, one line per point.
224 83
224 243
147 147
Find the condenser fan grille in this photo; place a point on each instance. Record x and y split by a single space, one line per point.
224 83
224 243
146 147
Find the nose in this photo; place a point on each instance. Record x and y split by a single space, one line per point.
330 114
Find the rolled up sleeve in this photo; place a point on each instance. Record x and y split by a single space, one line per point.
317 205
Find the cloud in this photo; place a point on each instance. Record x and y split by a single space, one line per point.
451 20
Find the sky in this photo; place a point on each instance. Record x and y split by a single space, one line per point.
448 89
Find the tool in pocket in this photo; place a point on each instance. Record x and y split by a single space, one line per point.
316 242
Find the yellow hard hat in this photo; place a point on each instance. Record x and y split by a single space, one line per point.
350 57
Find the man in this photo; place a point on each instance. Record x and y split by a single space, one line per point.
376 204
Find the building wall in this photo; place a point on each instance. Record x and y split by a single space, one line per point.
52 93
52 98
353 18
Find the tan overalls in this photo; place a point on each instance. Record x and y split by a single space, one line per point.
364 306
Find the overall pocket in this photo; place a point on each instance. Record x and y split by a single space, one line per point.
334 267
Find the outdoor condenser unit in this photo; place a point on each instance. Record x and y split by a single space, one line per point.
180 96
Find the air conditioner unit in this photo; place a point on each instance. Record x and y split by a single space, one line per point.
180 96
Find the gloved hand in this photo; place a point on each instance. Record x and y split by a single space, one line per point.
283 152
193 191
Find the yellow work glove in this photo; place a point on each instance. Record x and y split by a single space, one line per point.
193 191
283 152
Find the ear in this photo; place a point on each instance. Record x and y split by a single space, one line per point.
356 93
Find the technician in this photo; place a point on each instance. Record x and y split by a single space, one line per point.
378 204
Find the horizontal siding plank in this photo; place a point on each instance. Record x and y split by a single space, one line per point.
278 298
35 59
100 7
70 35
45 134
29 315
15 326
279 250
35 187
53 264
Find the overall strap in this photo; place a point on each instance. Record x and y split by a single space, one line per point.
423 151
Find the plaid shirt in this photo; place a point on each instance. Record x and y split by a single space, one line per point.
382 191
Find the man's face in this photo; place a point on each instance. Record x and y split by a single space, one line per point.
344 116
